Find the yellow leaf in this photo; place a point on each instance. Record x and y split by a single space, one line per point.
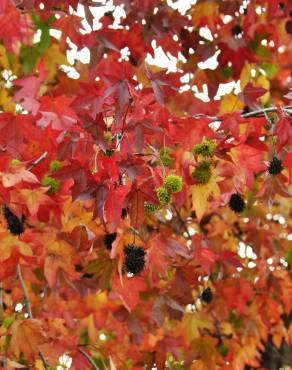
26 337
201 193
262 81
6 102
204 12
193 322
96 301
39 365
34 198
8 243
53 57
3 57
92 331
245 75
230 103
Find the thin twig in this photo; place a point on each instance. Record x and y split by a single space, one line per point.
4 362
26 297
28 307
44 361
38 160
182 221
286 109
255 113
89 359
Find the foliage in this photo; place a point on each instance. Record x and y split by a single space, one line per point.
141 226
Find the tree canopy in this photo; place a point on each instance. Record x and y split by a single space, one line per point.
146 210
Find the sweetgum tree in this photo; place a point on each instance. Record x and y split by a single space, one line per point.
141 226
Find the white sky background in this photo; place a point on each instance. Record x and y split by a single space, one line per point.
160 59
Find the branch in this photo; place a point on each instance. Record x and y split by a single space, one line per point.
4 363
287 109
26 297
38 160
182 221
89 359
28 305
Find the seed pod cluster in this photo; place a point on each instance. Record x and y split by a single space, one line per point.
202 172
165 156
205 149
108 240
236 203
207 295
14 224
134 258
275 166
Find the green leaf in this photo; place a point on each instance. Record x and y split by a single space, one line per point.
270 69
288 257
29 56
260 49
45 40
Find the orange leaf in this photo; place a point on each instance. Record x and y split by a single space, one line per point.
26 337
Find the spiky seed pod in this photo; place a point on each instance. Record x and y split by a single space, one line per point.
109 239
245 109
281 5
55 166
207 295
53 183
163 196
109 152
236 30
165 156
134 258
14 224
236 203
124 213
78 268
173 183
88 275
150 207
206 148
275 166
203 172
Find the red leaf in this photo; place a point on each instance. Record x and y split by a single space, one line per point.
250 94
129 290
288 163
283 131
115 202
58 112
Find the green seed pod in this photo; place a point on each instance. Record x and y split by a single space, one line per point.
223 349
108 137
14 162
173 183
55 166
52 182
206 148
150 207
165 156
163 196
203 172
